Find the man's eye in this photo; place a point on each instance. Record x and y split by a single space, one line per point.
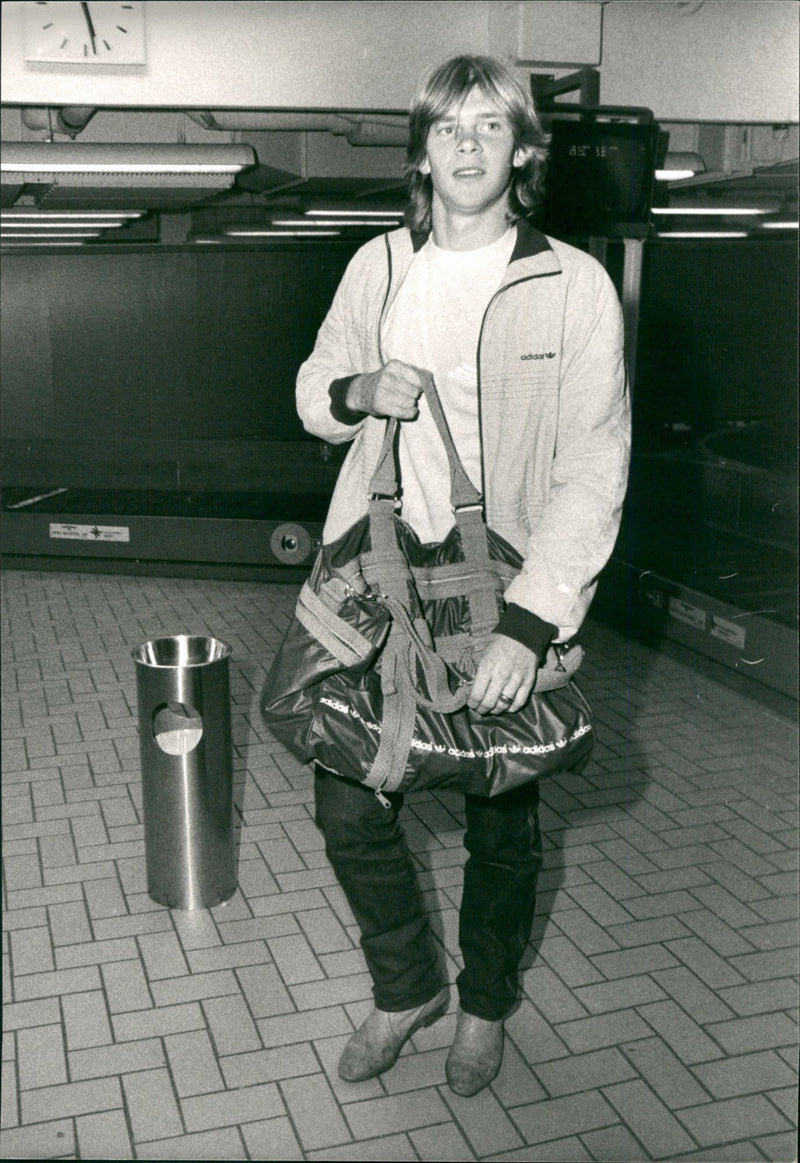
444 130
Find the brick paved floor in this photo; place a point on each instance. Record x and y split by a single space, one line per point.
659 1016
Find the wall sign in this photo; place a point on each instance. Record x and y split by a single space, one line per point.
66 532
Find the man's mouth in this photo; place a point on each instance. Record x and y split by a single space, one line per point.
468 172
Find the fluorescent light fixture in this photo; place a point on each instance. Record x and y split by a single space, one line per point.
15 236
780 225
354 221
717 211
59 224
393 214
48 215
143 167
28 245
281 233
680 165
38 157
703 234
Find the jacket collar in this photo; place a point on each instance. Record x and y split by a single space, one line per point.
530 241
532 256
530 244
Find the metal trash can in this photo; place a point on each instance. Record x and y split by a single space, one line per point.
183 691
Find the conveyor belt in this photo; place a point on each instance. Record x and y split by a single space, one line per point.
274 529
746 575
750 640
730 595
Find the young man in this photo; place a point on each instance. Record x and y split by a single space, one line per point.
523 336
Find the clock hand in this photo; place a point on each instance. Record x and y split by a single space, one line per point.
85 8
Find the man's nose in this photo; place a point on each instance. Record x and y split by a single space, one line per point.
467 138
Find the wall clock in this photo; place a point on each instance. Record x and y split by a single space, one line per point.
100 33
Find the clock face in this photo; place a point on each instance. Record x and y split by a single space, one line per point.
100 33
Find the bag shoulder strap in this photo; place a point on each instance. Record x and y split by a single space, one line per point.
384 481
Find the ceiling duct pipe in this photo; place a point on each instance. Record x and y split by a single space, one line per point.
360 129
70 120
369 132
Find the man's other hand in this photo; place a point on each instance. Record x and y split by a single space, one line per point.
505 677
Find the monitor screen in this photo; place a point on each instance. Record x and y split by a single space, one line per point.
599 178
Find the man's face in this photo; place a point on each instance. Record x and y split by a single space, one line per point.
469 155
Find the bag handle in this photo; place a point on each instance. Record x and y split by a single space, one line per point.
384 482
409 648
467 503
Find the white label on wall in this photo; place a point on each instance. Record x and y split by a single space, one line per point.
729 632
684 612
66 532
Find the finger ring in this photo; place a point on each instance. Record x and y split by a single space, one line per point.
505 698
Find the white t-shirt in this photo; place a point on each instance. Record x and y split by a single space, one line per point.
434 323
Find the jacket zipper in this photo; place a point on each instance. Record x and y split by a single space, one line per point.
489 305
496 295
385 298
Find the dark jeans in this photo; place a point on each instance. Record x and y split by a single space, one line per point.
366 846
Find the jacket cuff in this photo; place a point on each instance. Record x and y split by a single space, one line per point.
339 409
526 628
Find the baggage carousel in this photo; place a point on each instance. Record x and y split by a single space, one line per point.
707 552
262 535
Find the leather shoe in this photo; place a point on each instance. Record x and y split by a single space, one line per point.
376 1045
476 1054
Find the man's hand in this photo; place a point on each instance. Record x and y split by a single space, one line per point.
505 676
393 390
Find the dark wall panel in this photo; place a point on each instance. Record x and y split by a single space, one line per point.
717 338
114 357
26 354
160 345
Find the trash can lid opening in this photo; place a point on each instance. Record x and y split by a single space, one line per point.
181 650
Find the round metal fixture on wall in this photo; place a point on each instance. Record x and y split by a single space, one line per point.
290 543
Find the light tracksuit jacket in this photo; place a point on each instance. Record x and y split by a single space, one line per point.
554 411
